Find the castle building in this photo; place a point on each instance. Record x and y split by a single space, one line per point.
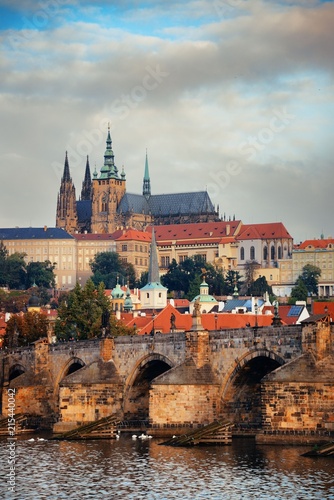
39 244
269 246
214 242
319 253
105 206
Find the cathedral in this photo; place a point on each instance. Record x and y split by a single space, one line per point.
105 206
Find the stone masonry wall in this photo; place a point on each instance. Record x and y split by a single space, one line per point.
298 406
32 400
83 403
174 405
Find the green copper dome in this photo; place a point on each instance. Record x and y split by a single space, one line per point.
117 292
128 306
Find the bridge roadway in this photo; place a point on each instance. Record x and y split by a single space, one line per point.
85 380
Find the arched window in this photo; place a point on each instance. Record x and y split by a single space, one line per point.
265 253
279 252
242 253
272 253
252 253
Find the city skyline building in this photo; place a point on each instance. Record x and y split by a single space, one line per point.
105 205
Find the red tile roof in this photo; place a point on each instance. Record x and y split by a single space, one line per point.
319 308
210 321
263 231
195 232
51 313
325 243
119 235
232 321
180 302
283 312
134 235
144 324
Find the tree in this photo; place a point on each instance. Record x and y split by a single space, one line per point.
24 329
143 280
108 266
15 274
12 269
117 328
3 265
176 279
260 287
184 278
250 268
80 316
299 291
14 300
232 279
86 314
194 287
310 276
41 274
3 251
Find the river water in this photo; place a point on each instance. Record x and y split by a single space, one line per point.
145 470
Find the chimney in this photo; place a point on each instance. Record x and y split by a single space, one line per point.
228 228
45 228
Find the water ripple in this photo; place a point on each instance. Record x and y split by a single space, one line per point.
125 469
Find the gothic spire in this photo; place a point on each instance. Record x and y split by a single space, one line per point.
146 181
109 169
86 190
153 270
66 173
66 216
108 138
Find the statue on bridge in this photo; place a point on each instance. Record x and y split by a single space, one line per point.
172 321
197 308
105 323
276 319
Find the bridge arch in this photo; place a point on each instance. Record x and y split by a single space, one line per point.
240 400
72 365
15 371
137 386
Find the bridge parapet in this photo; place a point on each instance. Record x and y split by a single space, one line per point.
79 344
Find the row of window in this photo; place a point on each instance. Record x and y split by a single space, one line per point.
148 295
252 255
165 261
140 262
311 257
107 182
138 248
323 265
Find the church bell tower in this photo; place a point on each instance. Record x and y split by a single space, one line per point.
107 191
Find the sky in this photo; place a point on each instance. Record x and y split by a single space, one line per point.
230 96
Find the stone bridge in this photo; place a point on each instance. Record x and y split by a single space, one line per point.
170 380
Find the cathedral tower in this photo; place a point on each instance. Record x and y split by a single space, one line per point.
86 191
66 217
107 191
146 181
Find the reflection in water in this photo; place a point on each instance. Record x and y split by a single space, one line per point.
136 470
